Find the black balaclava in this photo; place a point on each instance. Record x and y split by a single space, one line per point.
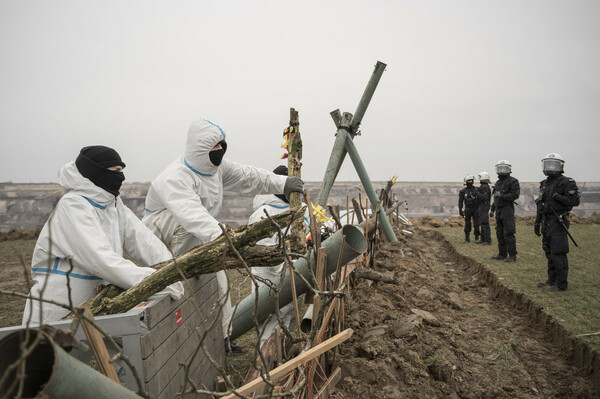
283 171
469 183
93 162
216 156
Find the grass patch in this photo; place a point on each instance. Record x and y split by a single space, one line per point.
576 308
382 345
12 255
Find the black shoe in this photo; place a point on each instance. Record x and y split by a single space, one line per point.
478 242
498 257
541 284
233 349
554 288
486 243
511 259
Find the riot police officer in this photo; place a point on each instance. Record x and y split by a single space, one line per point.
468 197
484 195
558 195
505 192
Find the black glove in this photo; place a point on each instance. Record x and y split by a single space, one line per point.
497 194
491 214
461 213
536 229
293 184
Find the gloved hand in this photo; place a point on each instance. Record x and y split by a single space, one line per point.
461 213
293 184
536 229
175 290
497 194
491 214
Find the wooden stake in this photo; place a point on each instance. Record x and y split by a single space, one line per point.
293 285
294 161
278 343
347 209
331 382
98 347
303 358
339 263
319 274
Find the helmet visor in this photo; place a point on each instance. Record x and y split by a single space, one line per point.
551 165
502 169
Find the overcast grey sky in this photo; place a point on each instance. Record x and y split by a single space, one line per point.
468 83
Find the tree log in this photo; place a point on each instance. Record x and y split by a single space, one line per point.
298 234
203 259
376 276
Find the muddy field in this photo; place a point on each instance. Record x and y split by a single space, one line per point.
441 333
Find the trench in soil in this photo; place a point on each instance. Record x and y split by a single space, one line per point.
450 329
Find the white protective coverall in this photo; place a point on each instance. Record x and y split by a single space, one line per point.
185 198
89 228
273 206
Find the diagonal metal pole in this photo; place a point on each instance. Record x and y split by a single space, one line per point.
347 126
338 152
366 182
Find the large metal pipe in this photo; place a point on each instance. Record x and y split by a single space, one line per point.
355 244
50 372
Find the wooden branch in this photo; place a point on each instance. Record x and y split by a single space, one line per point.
376 276
295 363
335 216
203 259
98 348
358 210
588 335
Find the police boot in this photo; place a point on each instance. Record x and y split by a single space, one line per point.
477 240
512 258
467 239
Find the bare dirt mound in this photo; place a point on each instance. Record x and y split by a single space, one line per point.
15 234
440 333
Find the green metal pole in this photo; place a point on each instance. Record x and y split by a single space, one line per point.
355 244
336 159
338 152
363 104
366 182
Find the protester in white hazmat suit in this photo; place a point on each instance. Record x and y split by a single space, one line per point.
186 197
90 228
273 205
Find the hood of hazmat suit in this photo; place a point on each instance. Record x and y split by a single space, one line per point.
85 238
186 197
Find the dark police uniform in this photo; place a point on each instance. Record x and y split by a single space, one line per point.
506 191
484 195
468 197
557 194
